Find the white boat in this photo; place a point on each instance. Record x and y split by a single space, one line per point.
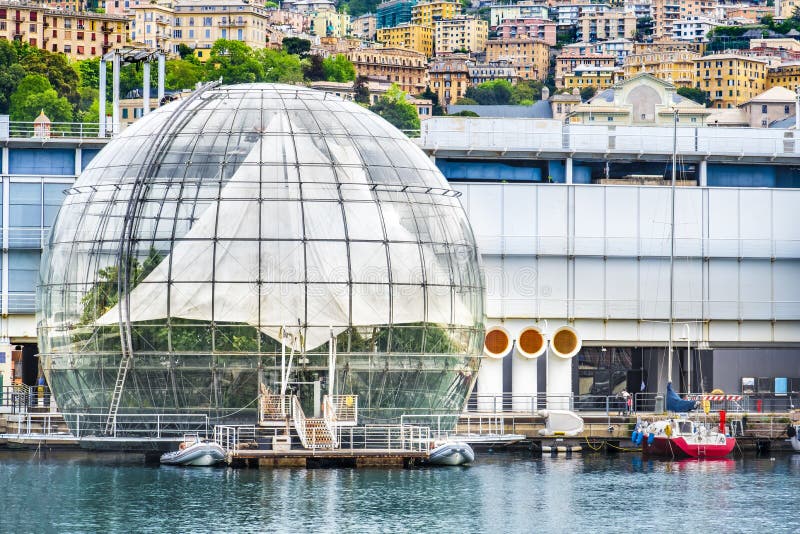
792 431
196 452
452 453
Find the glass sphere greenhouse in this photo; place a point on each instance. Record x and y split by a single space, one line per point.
220 229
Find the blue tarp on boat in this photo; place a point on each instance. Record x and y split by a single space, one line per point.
676 404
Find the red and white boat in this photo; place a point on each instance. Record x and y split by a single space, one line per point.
680 437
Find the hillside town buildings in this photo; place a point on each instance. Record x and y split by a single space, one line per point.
450 46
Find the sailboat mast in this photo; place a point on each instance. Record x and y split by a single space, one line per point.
672 240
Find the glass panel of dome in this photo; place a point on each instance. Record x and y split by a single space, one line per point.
326 261
282 261
323 220
363 220
281 219
368 262
236 261
371 153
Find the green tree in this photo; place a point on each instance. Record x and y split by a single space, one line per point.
184 51
587 93
427 94
34 95
88 72
394 107
88 95
234 62
361 90
11 73
131 77
55 67
313 69
698 95
338 69
279 67
296 45
359 7
465 113
182 74
526 92
491 93
91 113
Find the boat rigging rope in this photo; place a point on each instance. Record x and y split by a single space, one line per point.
609 444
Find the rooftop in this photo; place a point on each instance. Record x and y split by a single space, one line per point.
539 110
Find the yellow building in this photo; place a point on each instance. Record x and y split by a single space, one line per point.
152 25
786 75
79 35
674 66
330 24
787 7
427 13
198 24
729 79
449 76
569 60
531 57
589 76
407 68
410 36
461 33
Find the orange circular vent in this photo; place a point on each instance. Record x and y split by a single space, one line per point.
566 342
531 342
497 342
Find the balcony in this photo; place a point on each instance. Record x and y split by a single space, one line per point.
106 29
232 23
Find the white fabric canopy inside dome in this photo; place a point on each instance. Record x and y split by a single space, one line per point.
238 297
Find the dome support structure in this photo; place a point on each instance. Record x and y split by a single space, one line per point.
125 253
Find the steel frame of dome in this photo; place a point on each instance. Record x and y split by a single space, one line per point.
212 224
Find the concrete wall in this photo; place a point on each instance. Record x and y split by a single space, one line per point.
598 257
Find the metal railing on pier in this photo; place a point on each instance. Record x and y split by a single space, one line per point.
131 426
341 410
616 404
21 398
353 439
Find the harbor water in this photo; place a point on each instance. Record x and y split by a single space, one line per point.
502 492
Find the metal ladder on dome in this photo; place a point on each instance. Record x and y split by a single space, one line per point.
119 386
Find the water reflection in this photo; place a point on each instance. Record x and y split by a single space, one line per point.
501 493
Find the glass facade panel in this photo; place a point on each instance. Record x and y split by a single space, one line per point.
245 212
25 205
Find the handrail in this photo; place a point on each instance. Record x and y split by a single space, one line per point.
159 426
68 130
511 403
343 409
299 418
